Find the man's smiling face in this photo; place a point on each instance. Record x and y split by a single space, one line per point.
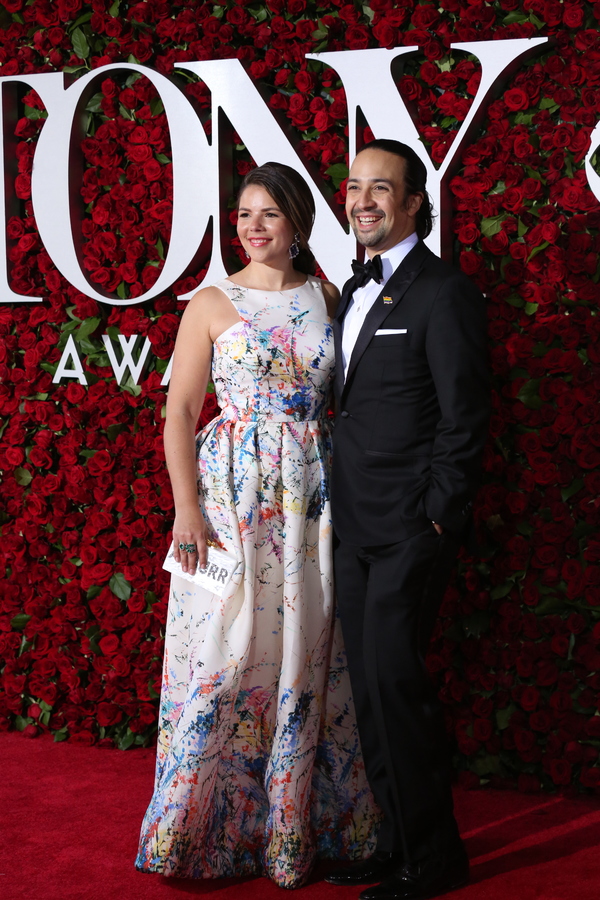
379 209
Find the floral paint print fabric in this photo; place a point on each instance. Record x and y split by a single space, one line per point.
259 767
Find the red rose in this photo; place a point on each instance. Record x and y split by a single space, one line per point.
530 698
560 771
109 644
357 37
108 714
516 99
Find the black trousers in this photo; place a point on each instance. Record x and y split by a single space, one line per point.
388 598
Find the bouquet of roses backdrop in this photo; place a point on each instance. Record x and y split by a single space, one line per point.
87 508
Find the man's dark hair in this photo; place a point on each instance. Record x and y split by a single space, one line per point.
415 177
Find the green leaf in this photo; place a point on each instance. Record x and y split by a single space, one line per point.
87 327
518 302
120 586
521 228
87 347
487 765
503 716
92 592
113 430
23 477
500 591
151 690
135 76
80 43
525 528
125 742
21 722
33 114
537 250
19 621
114 9
548 103
568 166
337 173
134 389
549 606
61 735
574 488
163 158
524 118
529 394
530 308
122 291
368 13
475 624
156 107
492 225
82 19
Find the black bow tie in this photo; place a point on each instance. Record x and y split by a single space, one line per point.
363 272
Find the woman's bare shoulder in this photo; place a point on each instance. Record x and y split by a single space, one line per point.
205 301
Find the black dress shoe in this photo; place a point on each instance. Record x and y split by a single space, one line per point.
366 871
429 878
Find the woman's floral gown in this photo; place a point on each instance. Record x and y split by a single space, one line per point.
259 766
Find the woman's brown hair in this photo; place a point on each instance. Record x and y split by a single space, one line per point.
292 195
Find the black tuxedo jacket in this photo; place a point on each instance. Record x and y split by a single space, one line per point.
412 414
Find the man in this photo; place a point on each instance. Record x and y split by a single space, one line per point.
412 397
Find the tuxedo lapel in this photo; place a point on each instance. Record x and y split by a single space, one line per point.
395 288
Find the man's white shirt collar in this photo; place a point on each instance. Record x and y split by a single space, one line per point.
391 259
363 298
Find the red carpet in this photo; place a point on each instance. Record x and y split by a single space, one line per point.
70 816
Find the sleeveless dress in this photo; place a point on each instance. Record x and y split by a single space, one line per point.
259 767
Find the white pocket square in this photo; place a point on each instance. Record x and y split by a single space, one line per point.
391 331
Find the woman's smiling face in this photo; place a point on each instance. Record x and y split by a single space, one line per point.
265 232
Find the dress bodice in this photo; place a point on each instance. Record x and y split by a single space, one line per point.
277 361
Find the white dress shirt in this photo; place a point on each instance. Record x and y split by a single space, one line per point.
363 298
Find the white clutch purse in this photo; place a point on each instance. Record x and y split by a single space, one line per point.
215 578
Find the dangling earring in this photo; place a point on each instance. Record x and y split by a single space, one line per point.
295 246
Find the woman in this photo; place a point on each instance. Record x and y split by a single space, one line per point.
258 767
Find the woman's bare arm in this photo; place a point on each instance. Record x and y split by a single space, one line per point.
187 388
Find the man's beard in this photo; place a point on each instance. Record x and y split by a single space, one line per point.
374 237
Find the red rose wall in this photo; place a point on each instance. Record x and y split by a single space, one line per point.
86 504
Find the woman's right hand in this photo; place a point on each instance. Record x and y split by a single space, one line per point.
190 530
